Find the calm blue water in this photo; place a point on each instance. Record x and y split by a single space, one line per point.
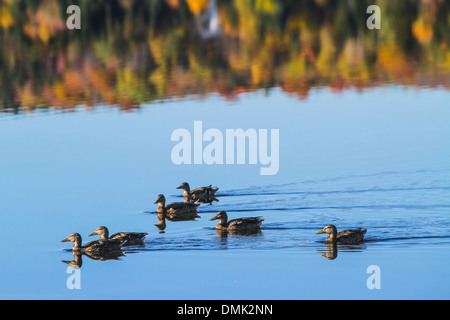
378 159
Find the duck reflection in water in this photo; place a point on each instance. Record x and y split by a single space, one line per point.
331 251
224 234
93 247
162 222
77 261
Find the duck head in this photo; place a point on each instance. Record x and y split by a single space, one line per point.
330 229
75 238
184 186
160 199
221 215
102 232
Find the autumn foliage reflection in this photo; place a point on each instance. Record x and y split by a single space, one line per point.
130 52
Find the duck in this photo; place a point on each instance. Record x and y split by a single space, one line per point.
77 261
247 224
350 236
199 195
127 238
97 247
176 211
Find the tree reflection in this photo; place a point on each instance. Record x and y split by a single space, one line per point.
130 52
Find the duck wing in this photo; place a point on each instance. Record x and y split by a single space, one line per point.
100 246
181 207
245 223
209 190
201 190
351 235
129 238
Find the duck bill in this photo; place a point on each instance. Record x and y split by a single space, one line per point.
212 219
180 187
320 232
156 202
65 240
92 234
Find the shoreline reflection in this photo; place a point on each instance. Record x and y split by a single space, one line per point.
191 48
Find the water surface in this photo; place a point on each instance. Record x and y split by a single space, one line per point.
86 120
72 172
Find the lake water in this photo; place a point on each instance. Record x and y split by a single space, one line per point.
86 119
378 160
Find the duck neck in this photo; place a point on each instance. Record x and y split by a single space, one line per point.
77 244
104 235
332 236
187 195
161 207
223 222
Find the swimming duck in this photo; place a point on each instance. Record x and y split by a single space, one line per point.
177 211
94 247
127 238
350 236
240 224
199 195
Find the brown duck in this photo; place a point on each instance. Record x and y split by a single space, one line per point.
127 238
350 236
199 195
94 247
176 211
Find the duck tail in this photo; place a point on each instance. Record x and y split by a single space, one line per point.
214 190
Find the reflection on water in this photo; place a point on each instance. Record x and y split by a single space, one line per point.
330 250
77 261
130 52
